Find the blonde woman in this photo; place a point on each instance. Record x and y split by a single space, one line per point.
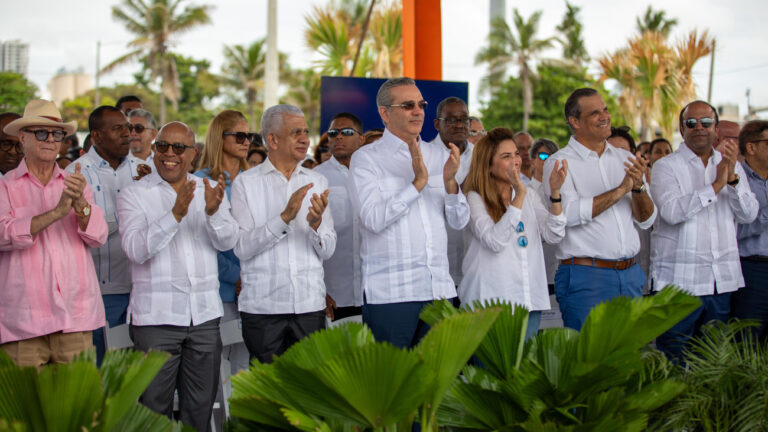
224 154
505 259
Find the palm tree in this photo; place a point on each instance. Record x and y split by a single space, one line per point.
244 70
387 35
505 47
655 21
154 24
573 43
304 92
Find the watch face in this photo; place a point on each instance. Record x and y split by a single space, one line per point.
86 210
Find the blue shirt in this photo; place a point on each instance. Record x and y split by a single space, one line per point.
229 264
753 237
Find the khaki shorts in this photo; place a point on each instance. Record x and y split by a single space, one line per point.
52 348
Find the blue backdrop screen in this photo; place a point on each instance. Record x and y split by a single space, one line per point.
358 96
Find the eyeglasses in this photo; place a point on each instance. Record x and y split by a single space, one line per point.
7 145
522 240
543 156
705 122
178 148
333 133
42 134
241 136
137 127
410 105
455 121
481 132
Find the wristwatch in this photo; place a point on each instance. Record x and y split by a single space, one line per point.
639 190
556 200
85 211
734 182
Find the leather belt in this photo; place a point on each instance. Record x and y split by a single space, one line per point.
756 258
597 262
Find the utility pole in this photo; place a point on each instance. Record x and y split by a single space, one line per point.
271 77
711 72
97 96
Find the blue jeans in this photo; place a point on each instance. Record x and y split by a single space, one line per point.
751 302
713 307
115 309
580 288
396 323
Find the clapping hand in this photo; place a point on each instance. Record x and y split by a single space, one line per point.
214 195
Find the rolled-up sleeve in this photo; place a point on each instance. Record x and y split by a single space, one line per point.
14 223
96 231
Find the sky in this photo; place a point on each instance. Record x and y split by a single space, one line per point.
64 34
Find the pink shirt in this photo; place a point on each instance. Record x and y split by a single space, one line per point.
47 282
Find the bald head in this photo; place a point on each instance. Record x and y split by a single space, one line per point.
177 128
727 130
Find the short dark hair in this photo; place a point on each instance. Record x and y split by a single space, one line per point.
572 107
258 150
96 119
353 118
446 101
658 141
126 98
87 143
750 133
72 140
623 132
9 114
682 111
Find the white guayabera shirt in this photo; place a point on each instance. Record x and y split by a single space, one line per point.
173 264
403 230
694 240
281 265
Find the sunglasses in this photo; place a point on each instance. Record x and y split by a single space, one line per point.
241 136
333 133
543 156
481 132
178 148
7 145
42 134
410 105
705 122
137 127
522 240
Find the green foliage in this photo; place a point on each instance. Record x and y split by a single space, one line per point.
655 21
77 396
573 41
341 379
726 370
15 92
551 87
598 379
80 107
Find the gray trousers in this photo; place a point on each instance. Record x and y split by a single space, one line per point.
192 369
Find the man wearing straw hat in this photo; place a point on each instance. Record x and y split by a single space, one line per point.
50 299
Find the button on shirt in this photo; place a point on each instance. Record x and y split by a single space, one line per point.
496 266
281 265
342 270
136 161
48 280
753 237
112 266
404 243
694 240
611 235
456 244
173 264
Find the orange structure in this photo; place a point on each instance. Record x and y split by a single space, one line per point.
422 40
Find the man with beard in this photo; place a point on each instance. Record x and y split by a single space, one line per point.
10 147
172 224
603 197
108 171
702 194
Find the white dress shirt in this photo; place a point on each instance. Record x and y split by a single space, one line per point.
281 265
135 161
112 266
456 243
173 264
404 241
694 240
550 249
611 235
342 270
496 266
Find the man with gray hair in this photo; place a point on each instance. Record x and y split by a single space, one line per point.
143 129
285 235
405 191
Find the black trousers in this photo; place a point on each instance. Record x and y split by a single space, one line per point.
192 369
267 336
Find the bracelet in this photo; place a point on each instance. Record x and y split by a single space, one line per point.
734 182
555 200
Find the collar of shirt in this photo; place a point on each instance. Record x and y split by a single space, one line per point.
23 170
688 155
393 141
154 178
750 172
337 165
584 152
96 158
266 167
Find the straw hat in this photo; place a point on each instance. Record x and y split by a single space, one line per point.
40 112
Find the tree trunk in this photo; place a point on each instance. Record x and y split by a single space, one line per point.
252 105
525 78
162 87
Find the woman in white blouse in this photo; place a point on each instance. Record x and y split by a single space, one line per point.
505 259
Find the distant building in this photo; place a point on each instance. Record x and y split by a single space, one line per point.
66 85
14 57
729 112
